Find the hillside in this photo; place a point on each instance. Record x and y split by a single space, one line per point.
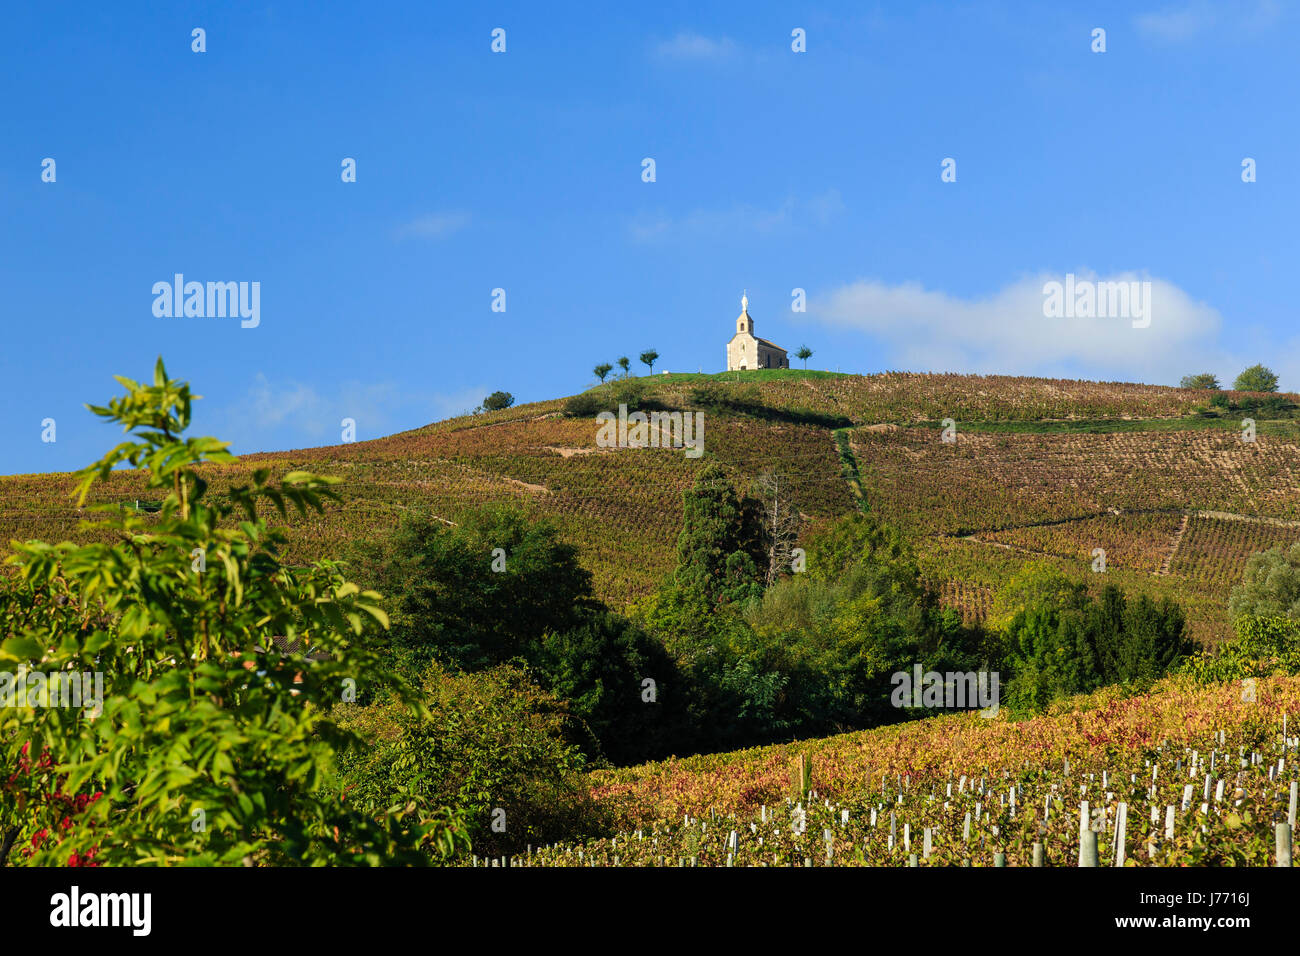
1039 469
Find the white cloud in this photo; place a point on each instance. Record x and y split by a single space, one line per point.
693 46
271 416
1007 332
1175 24
268 407
433 226
741 218
457 403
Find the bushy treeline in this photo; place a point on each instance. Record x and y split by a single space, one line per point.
813 652
719 658
500 591
1059 641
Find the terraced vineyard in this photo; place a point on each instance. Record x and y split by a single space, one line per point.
1040 469
1216 549
1199 776
904 397
1013 496
989 481
1134 541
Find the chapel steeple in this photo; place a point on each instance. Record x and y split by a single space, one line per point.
744 324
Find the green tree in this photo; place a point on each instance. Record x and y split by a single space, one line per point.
1154 641
497 401
212 743
620 682
1270 586
838 632
719 549
1202 380
648 358
1257 378
484 591
625 364
601 370
499 587
804 353
1037 583
857 538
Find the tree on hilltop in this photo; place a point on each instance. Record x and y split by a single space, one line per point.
601 370
804 353
648 358
498 401
1204 380
1257 378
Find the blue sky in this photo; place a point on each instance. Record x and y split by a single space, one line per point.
522 170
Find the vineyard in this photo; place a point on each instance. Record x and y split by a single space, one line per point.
1215 549
989 481
1177 512
612 502
969 571
1134 541
1186 775
1040 469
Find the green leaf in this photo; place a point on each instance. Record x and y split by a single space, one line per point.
21 649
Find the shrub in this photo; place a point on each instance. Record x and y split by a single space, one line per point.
1202 380
586 405
607 398
1263 646
492 746
1270 586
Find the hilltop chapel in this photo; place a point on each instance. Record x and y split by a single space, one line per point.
746 350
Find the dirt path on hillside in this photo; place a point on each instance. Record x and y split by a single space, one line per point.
1218 515
1173 547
